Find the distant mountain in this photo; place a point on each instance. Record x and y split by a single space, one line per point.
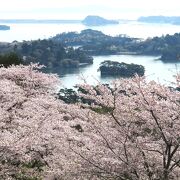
97 21
160 19
4 27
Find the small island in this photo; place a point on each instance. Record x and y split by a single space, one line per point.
4 27
97 21
113 68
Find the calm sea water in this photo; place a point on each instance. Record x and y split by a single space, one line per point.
155 70
30 31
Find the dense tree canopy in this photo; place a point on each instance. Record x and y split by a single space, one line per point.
139 130
114 68
130 131
9 59
33 123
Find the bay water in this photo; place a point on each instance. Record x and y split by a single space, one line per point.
155 69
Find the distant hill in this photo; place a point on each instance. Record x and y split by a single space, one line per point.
87 36
97 21
94 42
160 19
4 27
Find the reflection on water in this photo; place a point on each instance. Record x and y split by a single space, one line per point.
63 72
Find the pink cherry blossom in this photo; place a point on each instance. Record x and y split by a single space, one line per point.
130 130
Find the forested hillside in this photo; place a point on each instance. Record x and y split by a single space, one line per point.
47 52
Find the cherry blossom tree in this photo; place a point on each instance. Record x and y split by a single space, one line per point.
34 125
136 130
129 130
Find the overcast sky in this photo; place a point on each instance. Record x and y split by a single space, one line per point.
78 9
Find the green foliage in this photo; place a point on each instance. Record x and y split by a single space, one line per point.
35 164
53 54
166 46
94 42
121 69
30 170
9 59
69 96
50 53
23 170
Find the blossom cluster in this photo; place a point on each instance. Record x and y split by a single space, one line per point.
128 130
